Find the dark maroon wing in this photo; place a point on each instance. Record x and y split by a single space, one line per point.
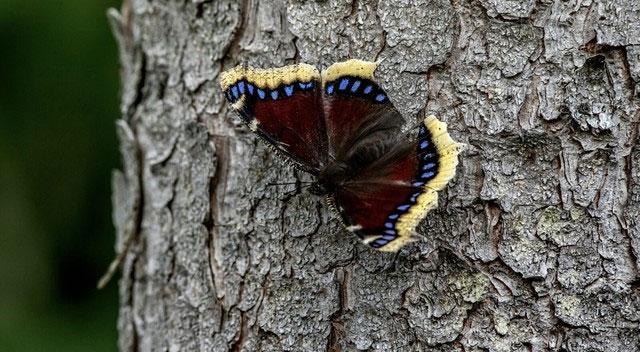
385 209
284 107
350 98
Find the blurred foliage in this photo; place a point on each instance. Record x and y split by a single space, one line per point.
58 104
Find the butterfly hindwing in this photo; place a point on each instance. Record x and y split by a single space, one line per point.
384 213
284 106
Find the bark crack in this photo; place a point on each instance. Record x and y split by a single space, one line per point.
231 51
383 32
336 334
217 187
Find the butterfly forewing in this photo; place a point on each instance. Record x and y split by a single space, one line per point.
351 97
284 106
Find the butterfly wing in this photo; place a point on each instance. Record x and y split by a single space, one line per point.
384 210
284 107
351 97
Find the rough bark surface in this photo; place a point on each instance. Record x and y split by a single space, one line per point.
535 245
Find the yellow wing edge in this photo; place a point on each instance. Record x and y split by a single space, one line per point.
353 67
270 78
273 78
448 151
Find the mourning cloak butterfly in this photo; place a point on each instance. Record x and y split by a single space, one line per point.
341 127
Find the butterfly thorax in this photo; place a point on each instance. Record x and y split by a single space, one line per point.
359 157
330 178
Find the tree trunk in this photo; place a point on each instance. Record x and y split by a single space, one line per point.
534 246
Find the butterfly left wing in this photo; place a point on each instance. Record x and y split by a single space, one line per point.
284 107
384 211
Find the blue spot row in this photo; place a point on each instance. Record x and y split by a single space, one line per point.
427 169
234 92
427 156
352 86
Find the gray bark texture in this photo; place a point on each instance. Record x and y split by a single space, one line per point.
535 245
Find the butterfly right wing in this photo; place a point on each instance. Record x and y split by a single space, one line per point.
284 107
351 100
385 210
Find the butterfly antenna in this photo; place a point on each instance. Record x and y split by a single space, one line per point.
281 183
307 183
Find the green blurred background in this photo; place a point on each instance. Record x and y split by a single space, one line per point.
58 104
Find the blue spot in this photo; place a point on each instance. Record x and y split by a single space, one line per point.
422 130
330 89
414 197
427 175
310 84
274 95
229 97
389 237
428 156
368 89
428 166
241 87
261 93
424 144
380 242
234 91
288 90
355 86
302 85
417 184
388 224
391 232
343 84
404 207
393 216
250 88
380 98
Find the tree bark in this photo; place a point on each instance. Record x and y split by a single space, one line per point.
535 245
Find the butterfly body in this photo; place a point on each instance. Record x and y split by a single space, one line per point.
341 127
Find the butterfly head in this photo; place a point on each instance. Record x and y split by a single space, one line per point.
317 189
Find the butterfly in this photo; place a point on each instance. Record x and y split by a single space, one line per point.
340 126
